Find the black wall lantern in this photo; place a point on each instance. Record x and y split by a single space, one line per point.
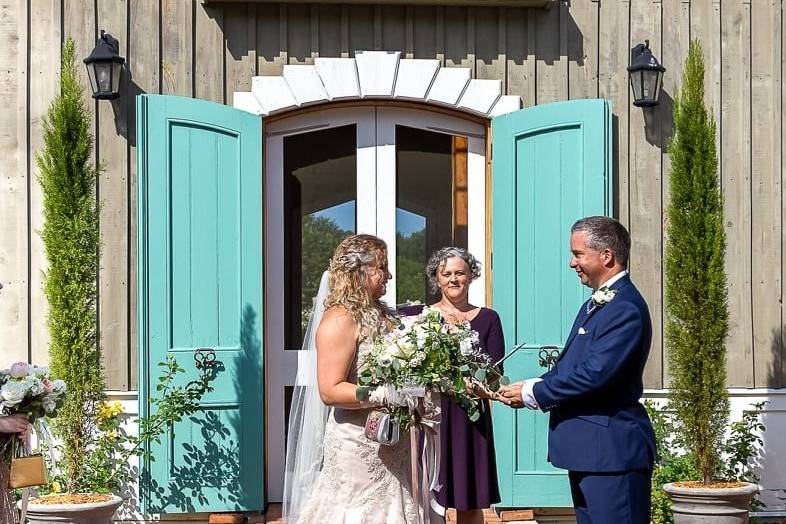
104 67
646 76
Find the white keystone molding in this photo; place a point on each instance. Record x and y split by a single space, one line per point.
415 77
305 84
376 74
339 76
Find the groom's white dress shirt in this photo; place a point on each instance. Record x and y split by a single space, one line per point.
527 386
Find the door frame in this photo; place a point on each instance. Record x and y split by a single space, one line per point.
376 154
282 361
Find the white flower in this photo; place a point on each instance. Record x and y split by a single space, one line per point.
12 393
385 361
405 348
49 404
417 360
58 386
603 296
466 347
381 394
39 371
34 385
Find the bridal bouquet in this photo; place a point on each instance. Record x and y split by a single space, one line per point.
425 354
28 389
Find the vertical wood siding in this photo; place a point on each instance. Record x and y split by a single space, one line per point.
572 50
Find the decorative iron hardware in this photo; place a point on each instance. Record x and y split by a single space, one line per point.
205 358
547 356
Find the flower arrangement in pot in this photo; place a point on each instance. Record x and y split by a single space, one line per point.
697 311
90 449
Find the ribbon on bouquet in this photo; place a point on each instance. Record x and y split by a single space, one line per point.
424 465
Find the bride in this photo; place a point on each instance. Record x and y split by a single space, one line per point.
333 472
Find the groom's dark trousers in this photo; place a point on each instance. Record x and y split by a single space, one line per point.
598 430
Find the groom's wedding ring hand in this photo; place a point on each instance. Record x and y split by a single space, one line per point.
511 395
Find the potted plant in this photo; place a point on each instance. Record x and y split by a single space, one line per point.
90 447
697 311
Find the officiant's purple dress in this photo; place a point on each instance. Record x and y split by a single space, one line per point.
468 472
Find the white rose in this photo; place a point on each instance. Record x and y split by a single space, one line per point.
58 386
603 296
380 395
12 393
406 348
466 347
34 385
49 404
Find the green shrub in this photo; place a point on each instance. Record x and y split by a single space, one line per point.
737 460
71 241
696 297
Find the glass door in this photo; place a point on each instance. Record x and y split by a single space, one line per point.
320 186
431 194
415 178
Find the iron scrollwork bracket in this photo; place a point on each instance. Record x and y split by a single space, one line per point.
547 356
204 358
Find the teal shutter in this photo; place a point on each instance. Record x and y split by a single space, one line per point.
551 166
200 287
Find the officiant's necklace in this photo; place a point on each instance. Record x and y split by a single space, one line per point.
455 315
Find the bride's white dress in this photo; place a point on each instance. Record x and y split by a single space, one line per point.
361 482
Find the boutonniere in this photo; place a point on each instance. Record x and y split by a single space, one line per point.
603 296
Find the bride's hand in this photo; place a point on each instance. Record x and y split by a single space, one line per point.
479 390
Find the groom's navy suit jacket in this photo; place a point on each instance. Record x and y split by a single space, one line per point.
592 393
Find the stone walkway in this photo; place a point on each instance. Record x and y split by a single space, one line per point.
273 516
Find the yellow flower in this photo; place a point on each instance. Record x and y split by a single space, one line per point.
108 410
56 487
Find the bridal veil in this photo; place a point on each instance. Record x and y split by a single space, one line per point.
307 419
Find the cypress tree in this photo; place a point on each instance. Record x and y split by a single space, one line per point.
71 241
696 295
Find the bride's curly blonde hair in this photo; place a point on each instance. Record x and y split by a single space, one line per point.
353 257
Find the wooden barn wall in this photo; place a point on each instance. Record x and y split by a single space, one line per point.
575 49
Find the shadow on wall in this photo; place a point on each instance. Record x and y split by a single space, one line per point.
233 18
208 469
124 107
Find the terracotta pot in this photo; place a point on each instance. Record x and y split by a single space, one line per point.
711 505
87 513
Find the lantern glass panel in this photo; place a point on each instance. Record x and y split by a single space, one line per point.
636 83
117 70
104 76
91 75
649 84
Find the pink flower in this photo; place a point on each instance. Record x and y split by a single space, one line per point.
48 386
20 369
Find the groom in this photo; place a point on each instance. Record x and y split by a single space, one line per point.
598 430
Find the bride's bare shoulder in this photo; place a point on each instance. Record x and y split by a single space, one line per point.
338 317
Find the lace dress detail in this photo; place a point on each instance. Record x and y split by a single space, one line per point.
361 482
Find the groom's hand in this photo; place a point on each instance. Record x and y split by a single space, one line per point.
510 395
519 394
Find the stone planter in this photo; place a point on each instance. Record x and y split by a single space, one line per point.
710 505
87 513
